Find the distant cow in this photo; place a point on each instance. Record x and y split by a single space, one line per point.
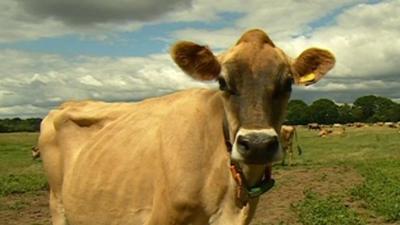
197 156
391 125
337 125
314 126
325 132
359 125
340 131
35 152
287 134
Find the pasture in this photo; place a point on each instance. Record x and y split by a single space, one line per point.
340 179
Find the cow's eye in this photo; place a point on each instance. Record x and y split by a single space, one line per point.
222 84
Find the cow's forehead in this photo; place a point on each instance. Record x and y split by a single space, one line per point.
254 54
253 60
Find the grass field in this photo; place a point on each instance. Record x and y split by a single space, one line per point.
339 180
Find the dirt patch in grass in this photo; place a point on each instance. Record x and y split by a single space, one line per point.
275 207
27 209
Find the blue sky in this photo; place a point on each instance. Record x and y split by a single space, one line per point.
149 39
50 54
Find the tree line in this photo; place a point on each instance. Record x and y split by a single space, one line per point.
367 109
20 125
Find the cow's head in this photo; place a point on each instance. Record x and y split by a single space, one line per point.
256 80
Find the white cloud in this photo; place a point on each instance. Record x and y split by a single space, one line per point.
42 81
223 38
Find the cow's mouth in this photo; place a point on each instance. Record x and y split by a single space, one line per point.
245 191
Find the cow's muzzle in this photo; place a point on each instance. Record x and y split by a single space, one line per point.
256 146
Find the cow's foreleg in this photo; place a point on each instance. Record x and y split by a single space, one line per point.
57 209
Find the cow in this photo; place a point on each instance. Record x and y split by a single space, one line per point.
314 126
359 125
197 156
338 125
35 152
286 137
390 124
325 132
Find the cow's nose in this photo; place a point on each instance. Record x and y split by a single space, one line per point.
250 144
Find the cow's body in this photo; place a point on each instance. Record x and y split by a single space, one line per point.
111 164
287 135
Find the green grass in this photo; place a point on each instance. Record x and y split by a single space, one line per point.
375 153
381 189
18 172
363 144
317 210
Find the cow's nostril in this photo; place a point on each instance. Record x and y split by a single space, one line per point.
243 143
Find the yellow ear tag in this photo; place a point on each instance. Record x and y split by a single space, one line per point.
307 78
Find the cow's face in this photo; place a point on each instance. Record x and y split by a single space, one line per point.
256 79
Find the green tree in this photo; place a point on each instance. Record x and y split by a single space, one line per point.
323 111
367 106
297 112
345 114
376 108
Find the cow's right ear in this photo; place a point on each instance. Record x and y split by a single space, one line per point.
196 60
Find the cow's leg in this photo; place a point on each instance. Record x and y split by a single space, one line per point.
284 151
290 149
57 209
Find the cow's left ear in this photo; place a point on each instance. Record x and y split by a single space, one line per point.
196 60
311 66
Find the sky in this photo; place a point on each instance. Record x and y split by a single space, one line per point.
54 50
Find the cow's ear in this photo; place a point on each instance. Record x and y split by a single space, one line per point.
312 65
196 60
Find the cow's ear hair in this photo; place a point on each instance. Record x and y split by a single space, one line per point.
312 65
196 60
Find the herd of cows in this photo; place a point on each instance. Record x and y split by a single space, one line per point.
288 133
340 129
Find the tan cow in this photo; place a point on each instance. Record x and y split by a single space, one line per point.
287 134
325 132
193 157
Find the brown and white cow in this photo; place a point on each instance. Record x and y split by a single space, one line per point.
193 157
